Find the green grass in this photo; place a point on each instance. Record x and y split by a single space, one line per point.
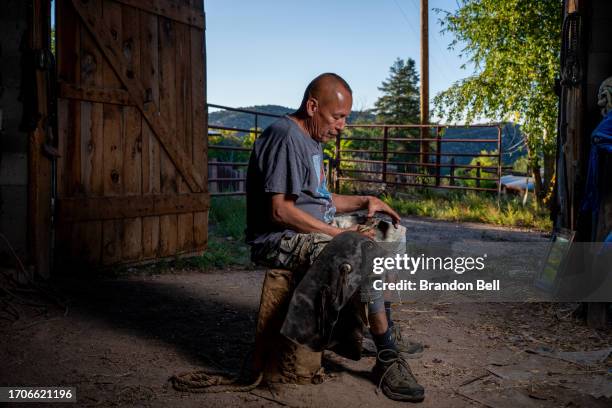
226 224
472 207
227 216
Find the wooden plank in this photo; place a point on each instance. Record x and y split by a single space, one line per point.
86 143
112 236
110 18
113 125
70 71
132 157
149 74
132 239
96 149
167 103
91 75
107 39
167 235
183 132
93 94
150 236
108 208
151 171
170 9
199 127
62 133
183 123
132 147
185 231
66 67
167 98
87 236
112 154
72 166
113 120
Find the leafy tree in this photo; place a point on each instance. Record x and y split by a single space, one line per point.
514 46
400 101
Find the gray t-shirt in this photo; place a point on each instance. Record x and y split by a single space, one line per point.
285 160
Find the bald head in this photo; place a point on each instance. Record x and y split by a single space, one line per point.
325 108
326 88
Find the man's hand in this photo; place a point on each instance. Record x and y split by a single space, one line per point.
369 232
377 205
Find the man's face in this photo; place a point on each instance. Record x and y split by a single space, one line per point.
329 115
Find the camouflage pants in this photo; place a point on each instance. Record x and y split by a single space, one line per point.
298 252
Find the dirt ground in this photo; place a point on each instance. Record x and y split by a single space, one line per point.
119 340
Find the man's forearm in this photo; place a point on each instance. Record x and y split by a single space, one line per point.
348 203
292 217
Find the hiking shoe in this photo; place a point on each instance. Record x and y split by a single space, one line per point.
406 347
394 377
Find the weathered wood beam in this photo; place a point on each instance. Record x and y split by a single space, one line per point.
90 94
110 208
172 10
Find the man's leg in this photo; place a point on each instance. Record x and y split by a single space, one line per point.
391 372
295 252
390 236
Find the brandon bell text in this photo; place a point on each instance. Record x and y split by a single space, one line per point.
425 285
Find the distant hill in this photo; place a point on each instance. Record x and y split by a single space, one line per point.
242 120
511 143
511 135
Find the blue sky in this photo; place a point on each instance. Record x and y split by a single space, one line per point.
266 52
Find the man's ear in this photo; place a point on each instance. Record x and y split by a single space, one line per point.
312 105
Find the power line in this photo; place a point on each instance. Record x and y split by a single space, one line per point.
440 48
437 63
411 26
407 19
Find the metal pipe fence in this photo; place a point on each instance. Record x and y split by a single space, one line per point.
227 177
385 158
381 159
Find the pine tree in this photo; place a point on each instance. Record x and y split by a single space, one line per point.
400 101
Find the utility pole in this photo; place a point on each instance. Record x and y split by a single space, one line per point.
424 81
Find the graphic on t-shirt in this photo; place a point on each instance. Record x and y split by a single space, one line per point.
322 190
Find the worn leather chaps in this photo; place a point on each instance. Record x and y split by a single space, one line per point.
333 282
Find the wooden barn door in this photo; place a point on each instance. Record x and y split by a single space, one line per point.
131 180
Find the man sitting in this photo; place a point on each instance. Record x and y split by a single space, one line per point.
291 213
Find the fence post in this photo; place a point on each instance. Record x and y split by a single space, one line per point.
452 171
256 125
478 174
385 153
438 148
241 183
212 174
